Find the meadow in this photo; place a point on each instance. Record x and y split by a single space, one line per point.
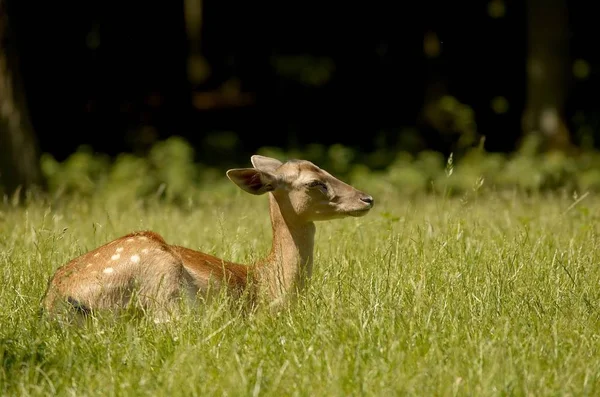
485 292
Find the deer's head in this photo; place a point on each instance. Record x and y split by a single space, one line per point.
302 189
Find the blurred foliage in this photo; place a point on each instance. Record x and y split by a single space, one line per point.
170 171
454 119
306 69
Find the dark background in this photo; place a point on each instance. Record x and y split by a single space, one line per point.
113 74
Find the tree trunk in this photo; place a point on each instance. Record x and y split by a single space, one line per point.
197 68
547 73
19 154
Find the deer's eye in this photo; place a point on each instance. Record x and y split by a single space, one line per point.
318 184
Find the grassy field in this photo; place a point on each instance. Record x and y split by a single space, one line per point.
490 294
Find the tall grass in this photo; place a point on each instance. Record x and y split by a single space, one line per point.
484 294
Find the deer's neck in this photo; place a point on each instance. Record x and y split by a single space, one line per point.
289 263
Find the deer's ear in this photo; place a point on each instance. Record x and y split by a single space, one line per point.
252 180
264 163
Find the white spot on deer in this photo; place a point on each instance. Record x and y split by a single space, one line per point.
89 264
115 257
96 254
119 249
145 251
109 270
143 238
130 240
135 258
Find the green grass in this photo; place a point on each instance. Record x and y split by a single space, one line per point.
486 295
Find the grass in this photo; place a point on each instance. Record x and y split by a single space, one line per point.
489 294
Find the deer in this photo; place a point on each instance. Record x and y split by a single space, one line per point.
141 268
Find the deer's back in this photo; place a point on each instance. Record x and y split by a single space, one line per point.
108 275
208 271
141 263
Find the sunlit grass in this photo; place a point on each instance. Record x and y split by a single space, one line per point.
495 294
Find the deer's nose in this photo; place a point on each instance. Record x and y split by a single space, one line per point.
367 199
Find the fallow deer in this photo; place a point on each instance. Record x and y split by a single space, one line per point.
143 265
